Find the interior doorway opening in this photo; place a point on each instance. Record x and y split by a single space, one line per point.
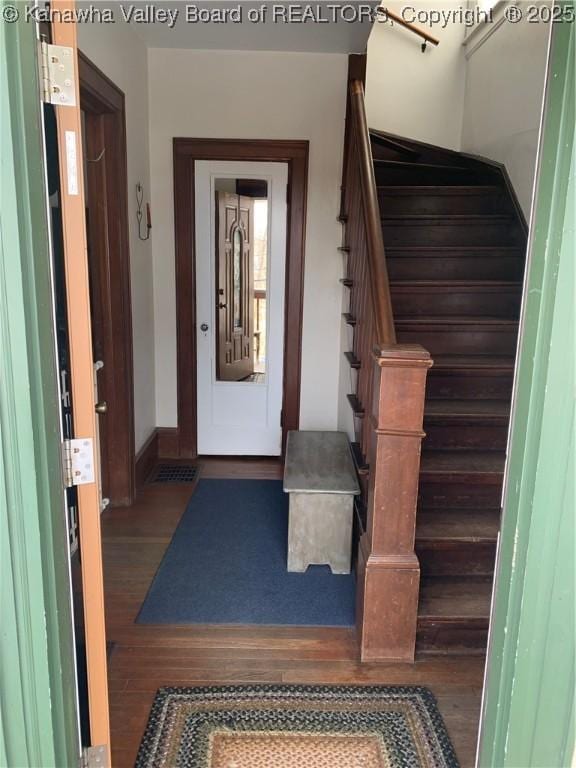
241 167
105 184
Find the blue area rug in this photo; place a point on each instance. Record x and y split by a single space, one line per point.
226 564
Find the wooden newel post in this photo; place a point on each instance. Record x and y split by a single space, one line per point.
388 569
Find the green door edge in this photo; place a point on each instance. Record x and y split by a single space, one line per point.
528 713
38 719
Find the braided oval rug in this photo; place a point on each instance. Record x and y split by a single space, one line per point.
296 726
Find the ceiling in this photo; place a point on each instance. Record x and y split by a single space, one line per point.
324 27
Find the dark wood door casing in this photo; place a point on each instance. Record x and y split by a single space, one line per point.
186 152
109 264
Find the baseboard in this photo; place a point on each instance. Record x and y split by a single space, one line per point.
163 443
168 443
146 459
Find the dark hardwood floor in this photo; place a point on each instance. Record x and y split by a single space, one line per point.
144 658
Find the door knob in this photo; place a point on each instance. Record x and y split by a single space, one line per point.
221 306
101 407
204 327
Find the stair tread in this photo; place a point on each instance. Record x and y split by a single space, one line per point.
476 362
450 285
356 405
465 462
395 143
410 165
447 250
461 409
455 598
446 218
466 525
431 320
444 189
359 462
352 360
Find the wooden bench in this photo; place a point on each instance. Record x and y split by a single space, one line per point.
320 477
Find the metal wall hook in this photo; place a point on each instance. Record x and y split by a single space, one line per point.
97 159
387 15
140 213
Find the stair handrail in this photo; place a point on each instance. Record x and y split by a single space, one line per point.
388 407
379 284
388 15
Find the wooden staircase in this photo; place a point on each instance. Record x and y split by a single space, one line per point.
454 242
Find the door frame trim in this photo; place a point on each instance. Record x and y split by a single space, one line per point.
101 98
185 152
82 381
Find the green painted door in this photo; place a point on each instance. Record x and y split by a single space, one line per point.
38 723
529 700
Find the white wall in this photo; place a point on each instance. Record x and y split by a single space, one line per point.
485 100
301 96
254 95
503 104
121 55
413 94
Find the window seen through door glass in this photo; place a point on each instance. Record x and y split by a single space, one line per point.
237 278
241 239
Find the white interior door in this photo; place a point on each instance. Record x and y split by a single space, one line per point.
240 276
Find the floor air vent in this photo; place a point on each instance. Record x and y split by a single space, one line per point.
174 473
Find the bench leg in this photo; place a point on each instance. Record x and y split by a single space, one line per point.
297 563
340 566
300 564
320 531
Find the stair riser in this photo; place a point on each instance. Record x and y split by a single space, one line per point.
483 438
386 175
455 495
444 386
445 638
426 267
460 342
470 233
502 303
456 558
435 205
